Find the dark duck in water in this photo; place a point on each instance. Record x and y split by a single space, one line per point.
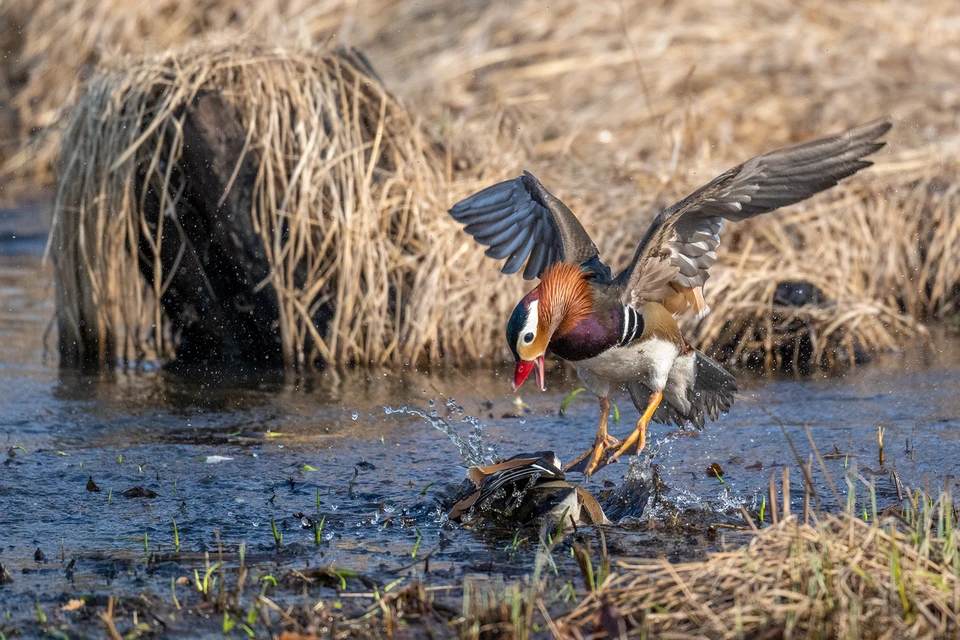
622 331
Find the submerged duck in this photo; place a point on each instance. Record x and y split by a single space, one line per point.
526 488
622 330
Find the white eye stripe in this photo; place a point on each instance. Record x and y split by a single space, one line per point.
530 326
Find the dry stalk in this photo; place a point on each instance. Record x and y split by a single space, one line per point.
558 92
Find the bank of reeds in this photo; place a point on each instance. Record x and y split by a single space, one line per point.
622 109
52 47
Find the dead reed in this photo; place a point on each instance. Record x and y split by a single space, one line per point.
893 574
622 109
51 48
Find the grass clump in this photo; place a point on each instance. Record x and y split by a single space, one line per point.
840 576
364 263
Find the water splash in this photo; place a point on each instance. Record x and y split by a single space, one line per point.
473 452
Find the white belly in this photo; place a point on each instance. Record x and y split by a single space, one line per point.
649 362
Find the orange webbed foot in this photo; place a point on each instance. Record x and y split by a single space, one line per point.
594 458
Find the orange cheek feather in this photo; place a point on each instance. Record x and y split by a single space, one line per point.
536 348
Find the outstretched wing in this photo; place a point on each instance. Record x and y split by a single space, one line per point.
520 219
674 258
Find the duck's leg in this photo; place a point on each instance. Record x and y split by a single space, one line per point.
638 439
592 457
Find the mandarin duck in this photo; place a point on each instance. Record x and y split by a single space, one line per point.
622 331
526 488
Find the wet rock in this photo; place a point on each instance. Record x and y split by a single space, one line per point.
139 492
715 470
220 300
798 354
39 556
92 486
797 293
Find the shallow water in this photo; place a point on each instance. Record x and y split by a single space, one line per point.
229 456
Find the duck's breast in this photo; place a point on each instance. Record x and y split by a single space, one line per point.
588 338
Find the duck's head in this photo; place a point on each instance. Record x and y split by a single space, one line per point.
561 300
528 336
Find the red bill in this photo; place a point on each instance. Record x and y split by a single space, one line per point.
524 367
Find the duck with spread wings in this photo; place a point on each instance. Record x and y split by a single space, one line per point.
621 331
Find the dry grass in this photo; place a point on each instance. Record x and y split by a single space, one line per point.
621 108
837 578
348 202
52 47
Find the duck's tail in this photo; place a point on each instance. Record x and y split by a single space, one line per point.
707 391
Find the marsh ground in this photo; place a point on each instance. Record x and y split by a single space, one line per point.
227 458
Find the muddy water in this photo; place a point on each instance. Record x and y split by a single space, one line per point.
232 455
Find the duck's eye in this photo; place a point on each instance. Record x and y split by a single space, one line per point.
528 337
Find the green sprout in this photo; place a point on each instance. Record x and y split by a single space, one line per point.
318 530
416 545
566 401
277 535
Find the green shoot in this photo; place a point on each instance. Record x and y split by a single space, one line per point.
566 401
176 537
228 623
416 545
318 530
204 586
277 535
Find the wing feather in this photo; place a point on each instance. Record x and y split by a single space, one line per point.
519 218
681 245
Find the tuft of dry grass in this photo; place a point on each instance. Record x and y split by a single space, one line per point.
345 200
621 109
840 577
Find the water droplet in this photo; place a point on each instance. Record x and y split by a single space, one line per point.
354 415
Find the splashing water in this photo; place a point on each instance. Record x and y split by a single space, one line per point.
472 451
